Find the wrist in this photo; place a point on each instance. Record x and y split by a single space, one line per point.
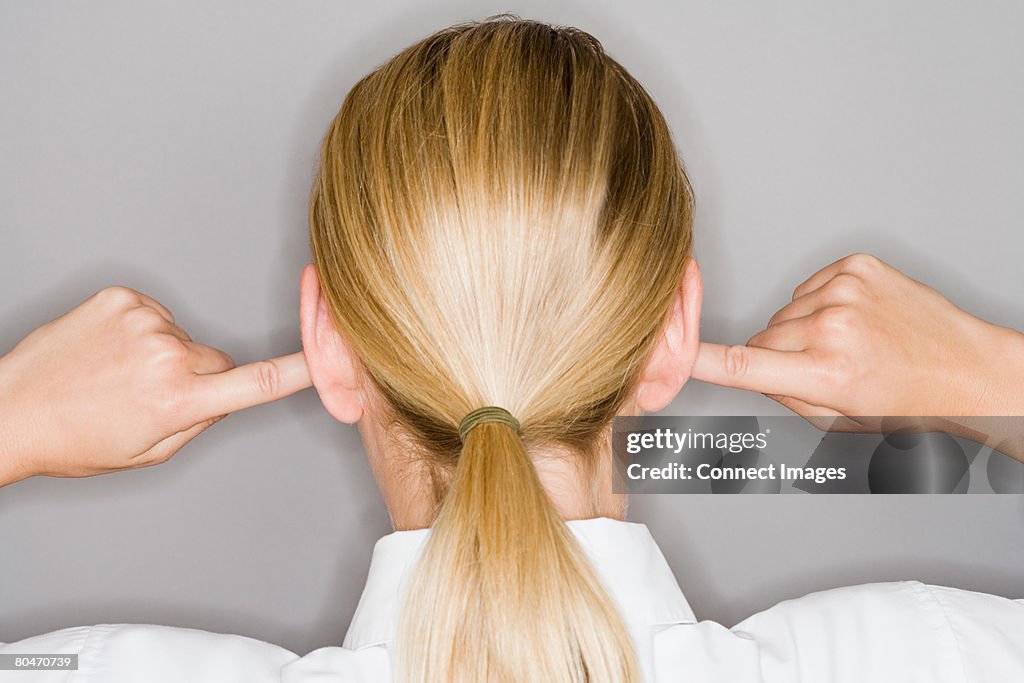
14 460
987 404
995 387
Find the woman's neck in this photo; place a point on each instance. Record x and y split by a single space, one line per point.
409 495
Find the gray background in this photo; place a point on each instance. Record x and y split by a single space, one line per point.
170 146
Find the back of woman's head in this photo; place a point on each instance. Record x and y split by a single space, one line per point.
501 218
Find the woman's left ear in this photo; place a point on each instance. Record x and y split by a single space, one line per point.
332 365
671 362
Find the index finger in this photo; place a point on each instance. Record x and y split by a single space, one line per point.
785 373
251 384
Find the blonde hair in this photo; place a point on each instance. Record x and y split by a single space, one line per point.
500 218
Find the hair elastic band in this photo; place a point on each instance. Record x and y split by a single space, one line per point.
486 414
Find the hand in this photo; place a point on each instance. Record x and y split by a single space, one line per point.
115 384
859 338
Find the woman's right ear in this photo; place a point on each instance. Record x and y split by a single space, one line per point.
332 365
671 362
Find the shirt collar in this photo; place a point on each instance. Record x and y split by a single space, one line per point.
623 554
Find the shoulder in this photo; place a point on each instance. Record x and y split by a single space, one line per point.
897 631
904 630
128 653
929 609
119 653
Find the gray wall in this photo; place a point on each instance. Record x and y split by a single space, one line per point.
170 146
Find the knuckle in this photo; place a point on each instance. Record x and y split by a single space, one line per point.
163 393
838 320
167 348
844 287
777 316
737 361
144 318
268 377
861 262
116 295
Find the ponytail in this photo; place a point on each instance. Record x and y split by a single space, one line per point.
502 591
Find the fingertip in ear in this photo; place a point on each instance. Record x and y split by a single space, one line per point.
671 362
332 365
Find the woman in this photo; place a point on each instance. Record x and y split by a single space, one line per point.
501 231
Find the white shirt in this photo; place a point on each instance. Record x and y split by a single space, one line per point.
902 632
